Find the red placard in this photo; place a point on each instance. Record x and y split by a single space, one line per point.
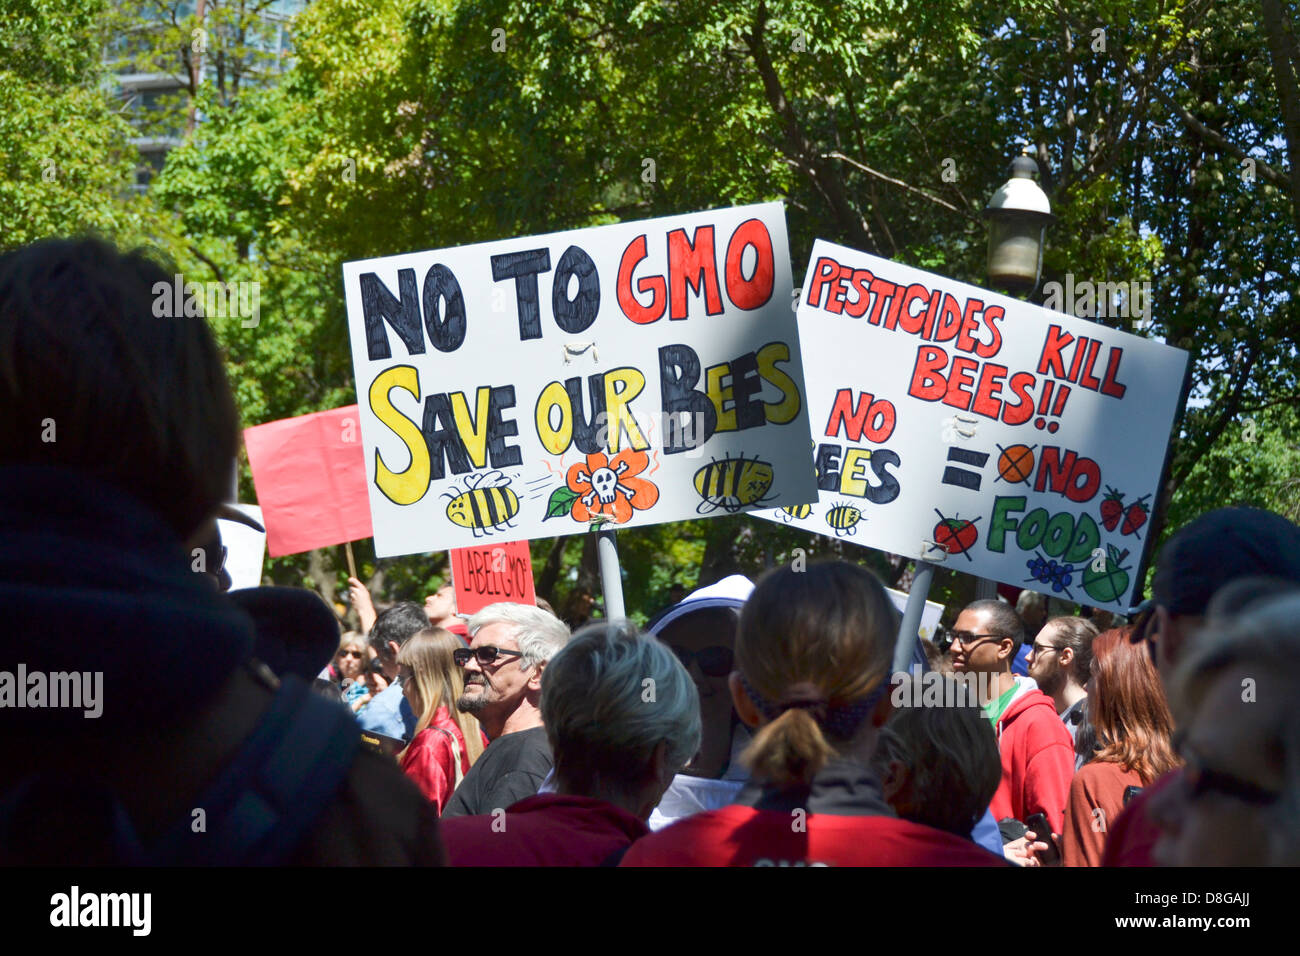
310 474
488 573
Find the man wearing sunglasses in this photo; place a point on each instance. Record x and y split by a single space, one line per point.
509 647
1200 559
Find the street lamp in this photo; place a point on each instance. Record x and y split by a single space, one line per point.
1018 215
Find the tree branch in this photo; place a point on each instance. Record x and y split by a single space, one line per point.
1203 132
216 269
1227 411
797 148
902 185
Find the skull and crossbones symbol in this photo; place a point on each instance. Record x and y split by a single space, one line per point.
604 483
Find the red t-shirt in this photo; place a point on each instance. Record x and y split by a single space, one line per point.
744 836
549 829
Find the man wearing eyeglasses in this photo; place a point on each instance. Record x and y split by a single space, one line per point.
1059 661
388 712
509 647
1036 750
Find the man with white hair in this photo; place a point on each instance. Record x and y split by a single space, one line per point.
509 647
623 716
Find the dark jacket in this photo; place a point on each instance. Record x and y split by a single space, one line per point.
95 581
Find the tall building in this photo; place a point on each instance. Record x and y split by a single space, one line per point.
159 45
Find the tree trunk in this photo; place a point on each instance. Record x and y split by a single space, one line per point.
321 569
551 569
1280 37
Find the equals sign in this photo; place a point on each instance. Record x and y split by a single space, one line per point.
962 477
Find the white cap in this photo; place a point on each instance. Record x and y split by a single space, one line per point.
732 592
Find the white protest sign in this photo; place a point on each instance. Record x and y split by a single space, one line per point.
930 613
958 425
630 374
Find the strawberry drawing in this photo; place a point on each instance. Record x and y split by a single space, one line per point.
1112 508
1135 516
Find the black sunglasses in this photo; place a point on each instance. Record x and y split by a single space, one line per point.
713 661
968 640
1144 629
484 655
1200 779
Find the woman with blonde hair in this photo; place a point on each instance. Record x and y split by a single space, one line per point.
446 742
813 655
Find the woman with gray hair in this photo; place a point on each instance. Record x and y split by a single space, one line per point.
622 716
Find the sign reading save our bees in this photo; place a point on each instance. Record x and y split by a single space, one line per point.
625 374
962 426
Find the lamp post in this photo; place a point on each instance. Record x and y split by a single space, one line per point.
1018 216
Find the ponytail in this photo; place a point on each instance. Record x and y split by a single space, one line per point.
813 650
788 751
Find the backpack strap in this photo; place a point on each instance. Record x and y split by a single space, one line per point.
455 756
272 792
255 813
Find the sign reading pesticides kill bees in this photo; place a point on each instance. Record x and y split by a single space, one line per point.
958 425
625 374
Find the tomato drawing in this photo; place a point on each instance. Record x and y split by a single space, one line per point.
955 535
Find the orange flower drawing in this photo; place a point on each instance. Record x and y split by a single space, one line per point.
602 486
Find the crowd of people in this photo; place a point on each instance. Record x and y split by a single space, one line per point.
761 726
747 724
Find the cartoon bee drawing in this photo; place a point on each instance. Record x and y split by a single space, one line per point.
797 511
732 484
844 519
486 503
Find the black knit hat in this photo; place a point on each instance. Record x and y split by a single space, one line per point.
1220 547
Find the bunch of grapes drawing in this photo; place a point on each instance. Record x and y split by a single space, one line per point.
1056 573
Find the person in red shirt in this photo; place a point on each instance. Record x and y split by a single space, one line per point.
1036 750
813 654
623 717
446 742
